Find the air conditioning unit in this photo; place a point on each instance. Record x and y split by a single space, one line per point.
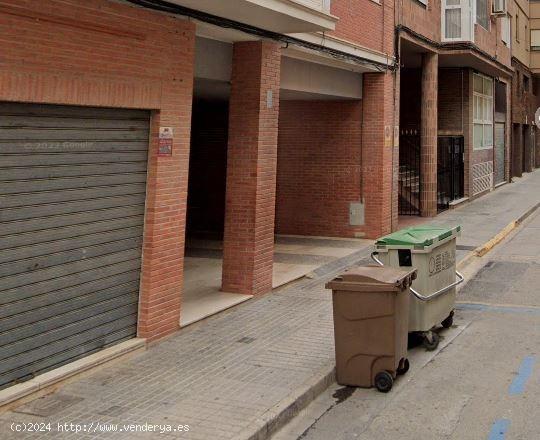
498 7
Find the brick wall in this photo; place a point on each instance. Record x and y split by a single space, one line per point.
451 102
379 154
425 20
523 102
319 167
489 41
248 248
100 53
365 14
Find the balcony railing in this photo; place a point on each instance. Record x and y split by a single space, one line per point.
457 20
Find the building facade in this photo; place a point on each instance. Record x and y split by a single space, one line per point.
132 129
140 136
456 73
534 57
523 94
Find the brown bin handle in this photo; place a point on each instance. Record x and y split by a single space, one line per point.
418 295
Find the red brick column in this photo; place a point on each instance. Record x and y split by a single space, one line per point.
528 152
517 150
428 134
166 198
537 149
248 248
377 153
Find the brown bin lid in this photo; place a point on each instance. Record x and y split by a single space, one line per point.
374 278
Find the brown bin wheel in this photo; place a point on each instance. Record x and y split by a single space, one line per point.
449 321
384 381
403 367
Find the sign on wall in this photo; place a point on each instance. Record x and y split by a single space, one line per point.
165 141
537 117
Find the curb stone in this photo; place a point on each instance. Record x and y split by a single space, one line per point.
279 415
484 249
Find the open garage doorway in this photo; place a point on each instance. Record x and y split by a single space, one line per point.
205 217
327 156
319 186
202 296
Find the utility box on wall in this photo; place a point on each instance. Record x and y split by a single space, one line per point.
356 214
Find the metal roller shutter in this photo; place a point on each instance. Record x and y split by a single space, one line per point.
72 194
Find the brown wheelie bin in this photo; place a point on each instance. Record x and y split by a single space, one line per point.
371 317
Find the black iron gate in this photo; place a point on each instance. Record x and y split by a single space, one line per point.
409 173
450 170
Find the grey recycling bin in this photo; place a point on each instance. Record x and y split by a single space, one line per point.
432 251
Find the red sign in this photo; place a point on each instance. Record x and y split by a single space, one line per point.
165 141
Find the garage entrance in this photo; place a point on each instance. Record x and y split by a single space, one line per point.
72 198
202 295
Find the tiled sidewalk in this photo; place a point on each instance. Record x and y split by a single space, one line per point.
217 376
223 375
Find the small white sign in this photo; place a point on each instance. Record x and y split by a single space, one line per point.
537 117
269 99
165 132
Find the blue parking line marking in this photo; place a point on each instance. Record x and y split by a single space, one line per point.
525 371
498 429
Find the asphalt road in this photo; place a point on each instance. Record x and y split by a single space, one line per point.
482 383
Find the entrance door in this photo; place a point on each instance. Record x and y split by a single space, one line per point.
450 170
72 197
409 173
499 152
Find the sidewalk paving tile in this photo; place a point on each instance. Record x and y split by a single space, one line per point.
222 374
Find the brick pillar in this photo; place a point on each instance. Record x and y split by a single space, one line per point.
166 198
509 134
248 248
517 150
428 136
377 151
527 150
395 172
537 148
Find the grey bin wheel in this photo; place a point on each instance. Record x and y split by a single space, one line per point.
403 367
431 341
384 381
449 321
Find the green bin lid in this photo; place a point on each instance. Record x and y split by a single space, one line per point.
418 237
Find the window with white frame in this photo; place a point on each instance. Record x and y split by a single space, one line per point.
482 14
535 39
457 20
482 112
452 19
506 35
